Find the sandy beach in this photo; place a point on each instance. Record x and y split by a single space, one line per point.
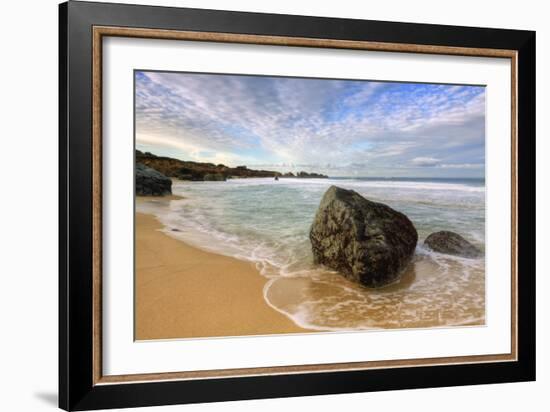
311 215
184 292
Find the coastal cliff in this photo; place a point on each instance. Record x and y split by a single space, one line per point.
198 171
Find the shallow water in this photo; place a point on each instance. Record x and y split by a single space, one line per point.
267 222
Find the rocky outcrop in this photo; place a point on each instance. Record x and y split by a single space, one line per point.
305 175
214 177
451 243
150 182
197 171
367 242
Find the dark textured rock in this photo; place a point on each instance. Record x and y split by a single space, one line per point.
214 177
150 182
367 242
305 175
197 171
452 244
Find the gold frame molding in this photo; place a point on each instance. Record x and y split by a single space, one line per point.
103 31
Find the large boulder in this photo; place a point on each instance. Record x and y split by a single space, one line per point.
150 182
367 242
451 243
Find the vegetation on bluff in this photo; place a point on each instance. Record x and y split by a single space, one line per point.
198 171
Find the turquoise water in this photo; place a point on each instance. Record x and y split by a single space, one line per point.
267 222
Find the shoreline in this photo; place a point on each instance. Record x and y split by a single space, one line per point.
184 292
438 290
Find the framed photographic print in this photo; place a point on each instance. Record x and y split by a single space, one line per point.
257 205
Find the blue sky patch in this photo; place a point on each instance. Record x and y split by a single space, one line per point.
337 127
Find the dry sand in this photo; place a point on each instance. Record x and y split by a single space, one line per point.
184 292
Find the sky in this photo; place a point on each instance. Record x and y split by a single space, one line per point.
335 127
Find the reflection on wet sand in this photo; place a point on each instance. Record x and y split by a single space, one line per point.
425 296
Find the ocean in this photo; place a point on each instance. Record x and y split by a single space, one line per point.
267 222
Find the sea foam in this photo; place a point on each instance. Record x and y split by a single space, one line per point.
267 222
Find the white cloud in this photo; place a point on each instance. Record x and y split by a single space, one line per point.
253 119
463 166
425 161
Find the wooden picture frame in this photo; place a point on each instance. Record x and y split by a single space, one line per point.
82 385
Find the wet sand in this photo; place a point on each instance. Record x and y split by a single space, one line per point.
184 292
421 299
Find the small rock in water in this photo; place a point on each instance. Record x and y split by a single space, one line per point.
451 243
175 230
367 242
